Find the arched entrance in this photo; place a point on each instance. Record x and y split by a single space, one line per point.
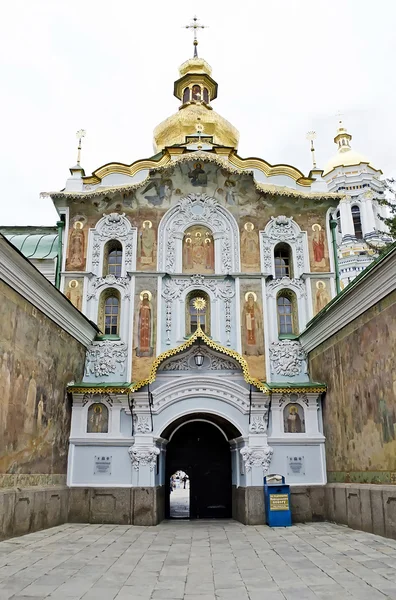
199 446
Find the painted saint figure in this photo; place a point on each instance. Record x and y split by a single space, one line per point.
198 251
77 246
321 297
250 251
145 326
98 418
293 422
74 293
163 191
252 325
198 176
147 244
318 243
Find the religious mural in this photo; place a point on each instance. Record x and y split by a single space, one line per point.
37 361
76 246
98 418
250 248
318 251
293 418
321 294
360 404
252 328
144 337
147 246
74 291
198 251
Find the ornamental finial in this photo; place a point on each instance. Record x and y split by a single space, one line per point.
81 133
194 25
311 136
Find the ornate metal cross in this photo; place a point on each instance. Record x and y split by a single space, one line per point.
194 25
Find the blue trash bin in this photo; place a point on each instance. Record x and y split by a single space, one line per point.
277 501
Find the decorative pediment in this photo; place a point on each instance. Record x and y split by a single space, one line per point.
212 361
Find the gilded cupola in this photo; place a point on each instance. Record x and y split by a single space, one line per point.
196 89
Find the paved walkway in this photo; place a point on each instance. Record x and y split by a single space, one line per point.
180 503
206 560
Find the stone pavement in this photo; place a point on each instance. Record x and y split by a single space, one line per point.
202 560
180 503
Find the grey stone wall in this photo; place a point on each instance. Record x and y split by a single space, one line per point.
371 508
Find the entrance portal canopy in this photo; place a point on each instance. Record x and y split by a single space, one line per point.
198 336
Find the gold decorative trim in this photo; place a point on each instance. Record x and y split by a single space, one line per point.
271 170
232 163
200 334
303 390
123 169
100 390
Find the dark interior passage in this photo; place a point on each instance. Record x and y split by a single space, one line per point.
200 449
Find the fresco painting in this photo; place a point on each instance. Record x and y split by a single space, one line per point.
77 246
98 418
198 251
250 248
147 246
321 294
34 409
144 328
360 404
293 418
252 328
74 291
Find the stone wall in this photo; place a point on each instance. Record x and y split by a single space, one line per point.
358 363
37 360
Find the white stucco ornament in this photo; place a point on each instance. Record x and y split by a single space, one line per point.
257 457
102 358
258 424
143 456
287 358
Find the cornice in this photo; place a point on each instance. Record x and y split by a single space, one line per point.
20 275
353 302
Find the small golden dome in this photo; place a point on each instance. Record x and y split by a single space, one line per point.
345 156
173 131
196 89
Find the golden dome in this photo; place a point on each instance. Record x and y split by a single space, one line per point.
196 89
345 156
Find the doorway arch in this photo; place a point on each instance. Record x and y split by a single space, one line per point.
199 446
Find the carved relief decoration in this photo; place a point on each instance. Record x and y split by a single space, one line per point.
198 209
142 423
173 289
272 287
121 283
212 362
103 358
282 229
143 456
114 226
287 358
258 423
257 457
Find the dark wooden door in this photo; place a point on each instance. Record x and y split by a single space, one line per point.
201 450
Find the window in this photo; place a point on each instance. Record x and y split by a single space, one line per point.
283 261
109 312
186 95
196 93
338 219
192 316
357 223
113 259
287 313
205 95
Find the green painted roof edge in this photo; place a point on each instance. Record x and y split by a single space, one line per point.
309 384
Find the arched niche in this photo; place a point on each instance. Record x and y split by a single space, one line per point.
284 230
194 210
117 227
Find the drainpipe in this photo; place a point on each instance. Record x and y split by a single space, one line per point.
333 225
60 225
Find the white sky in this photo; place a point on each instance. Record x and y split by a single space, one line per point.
283 67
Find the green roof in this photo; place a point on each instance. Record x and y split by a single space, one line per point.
33 242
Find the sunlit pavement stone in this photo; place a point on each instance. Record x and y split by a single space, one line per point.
201 560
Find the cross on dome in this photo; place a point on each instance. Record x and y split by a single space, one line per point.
195 25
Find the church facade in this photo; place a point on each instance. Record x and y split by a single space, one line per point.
200 269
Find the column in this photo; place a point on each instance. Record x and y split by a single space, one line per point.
347 228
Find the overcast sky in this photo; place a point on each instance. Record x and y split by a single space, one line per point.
284 67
